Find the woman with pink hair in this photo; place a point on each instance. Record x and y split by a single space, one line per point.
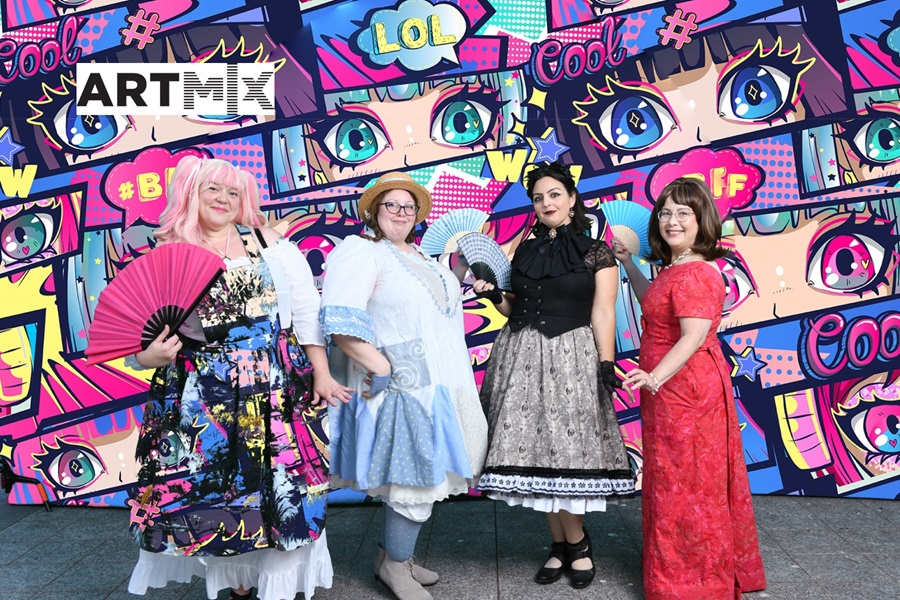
234 445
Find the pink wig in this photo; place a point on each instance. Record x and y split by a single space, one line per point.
179 221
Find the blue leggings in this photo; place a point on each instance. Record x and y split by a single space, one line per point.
399 535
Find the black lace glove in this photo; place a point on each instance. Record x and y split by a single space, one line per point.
606 376
493 295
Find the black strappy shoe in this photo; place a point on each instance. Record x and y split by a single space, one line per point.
549 574
581 578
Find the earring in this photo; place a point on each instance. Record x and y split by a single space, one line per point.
367 214
571 213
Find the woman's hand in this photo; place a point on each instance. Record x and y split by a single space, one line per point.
376 383
485 289
639 378
325 386
160 352
619 250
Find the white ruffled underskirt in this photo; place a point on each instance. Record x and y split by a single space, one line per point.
276 574
575 506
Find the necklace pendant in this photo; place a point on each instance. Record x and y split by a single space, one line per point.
552 234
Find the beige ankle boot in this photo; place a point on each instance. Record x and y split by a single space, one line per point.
419 573
399 578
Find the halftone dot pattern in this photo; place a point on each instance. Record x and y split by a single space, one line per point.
741 340
775 156
96 210
247 154
91 32
527 18
452 192
334 194
781 367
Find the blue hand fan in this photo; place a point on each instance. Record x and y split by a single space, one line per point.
486 259
629 221
443 235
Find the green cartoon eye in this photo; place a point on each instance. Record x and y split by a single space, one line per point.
355 140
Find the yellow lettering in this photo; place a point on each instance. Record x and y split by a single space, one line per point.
381 44
17 182
717 183
436 38
148 187
506 166
736 183
412 40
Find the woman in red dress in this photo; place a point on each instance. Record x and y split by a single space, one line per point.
699 530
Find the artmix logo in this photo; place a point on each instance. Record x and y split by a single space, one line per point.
175 89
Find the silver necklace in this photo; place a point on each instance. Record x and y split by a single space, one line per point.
677 258
227 243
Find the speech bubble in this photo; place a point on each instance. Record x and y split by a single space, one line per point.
139 186
418 34
732 181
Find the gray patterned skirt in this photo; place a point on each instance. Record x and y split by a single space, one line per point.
553 433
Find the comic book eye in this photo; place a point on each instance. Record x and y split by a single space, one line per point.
461 123
754 94
738 282
354 140
870 418
171 450
875 141
86 133
846 263
70 3
29 236
69 467
635 123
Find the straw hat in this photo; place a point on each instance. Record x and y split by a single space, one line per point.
396 180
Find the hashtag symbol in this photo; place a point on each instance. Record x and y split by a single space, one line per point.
141 29
678 29
126 190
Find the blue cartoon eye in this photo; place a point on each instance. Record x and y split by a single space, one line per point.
355 140
461 123
754 94
87 133
635 123
879 140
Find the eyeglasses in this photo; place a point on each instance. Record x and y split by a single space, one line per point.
680 215
394 208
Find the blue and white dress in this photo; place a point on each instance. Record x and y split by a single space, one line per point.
425 437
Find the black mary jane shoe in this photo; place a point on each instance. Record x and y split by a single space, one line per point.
581 578
548 574
233 595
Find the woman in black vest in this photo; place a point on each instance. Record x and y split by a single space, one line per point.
554 443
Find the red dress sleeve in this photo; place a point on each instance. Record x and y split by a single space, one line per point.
699 293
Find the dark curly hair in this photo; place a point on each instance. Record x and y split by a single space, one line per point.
693 193
560 172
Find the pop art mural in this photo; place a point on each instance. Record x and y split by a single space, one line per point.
788 109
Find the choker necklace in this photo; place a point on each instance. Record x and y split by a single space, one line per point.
227 242
677 258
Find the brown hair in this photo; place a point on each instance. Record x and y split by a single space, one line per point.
372 221
693 193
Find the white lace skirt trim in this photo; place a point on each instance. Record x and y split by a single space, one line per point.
275 574
575 506
398 495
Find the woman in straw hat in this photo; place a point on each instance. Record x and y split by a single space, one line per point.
414 433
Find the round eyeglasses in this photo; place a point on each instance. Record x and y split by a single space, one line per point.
394 208
681 215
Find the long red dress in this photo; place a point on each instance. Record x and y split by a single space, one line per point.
700 538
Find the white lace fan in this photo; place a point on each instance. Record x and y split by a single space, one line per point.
443 235
486 259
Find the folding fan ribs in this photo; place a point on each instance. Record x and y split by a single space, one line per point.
486 259
158 289
443 235
629 222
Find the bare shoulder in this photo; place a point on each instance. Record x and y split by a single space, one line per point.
270 236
